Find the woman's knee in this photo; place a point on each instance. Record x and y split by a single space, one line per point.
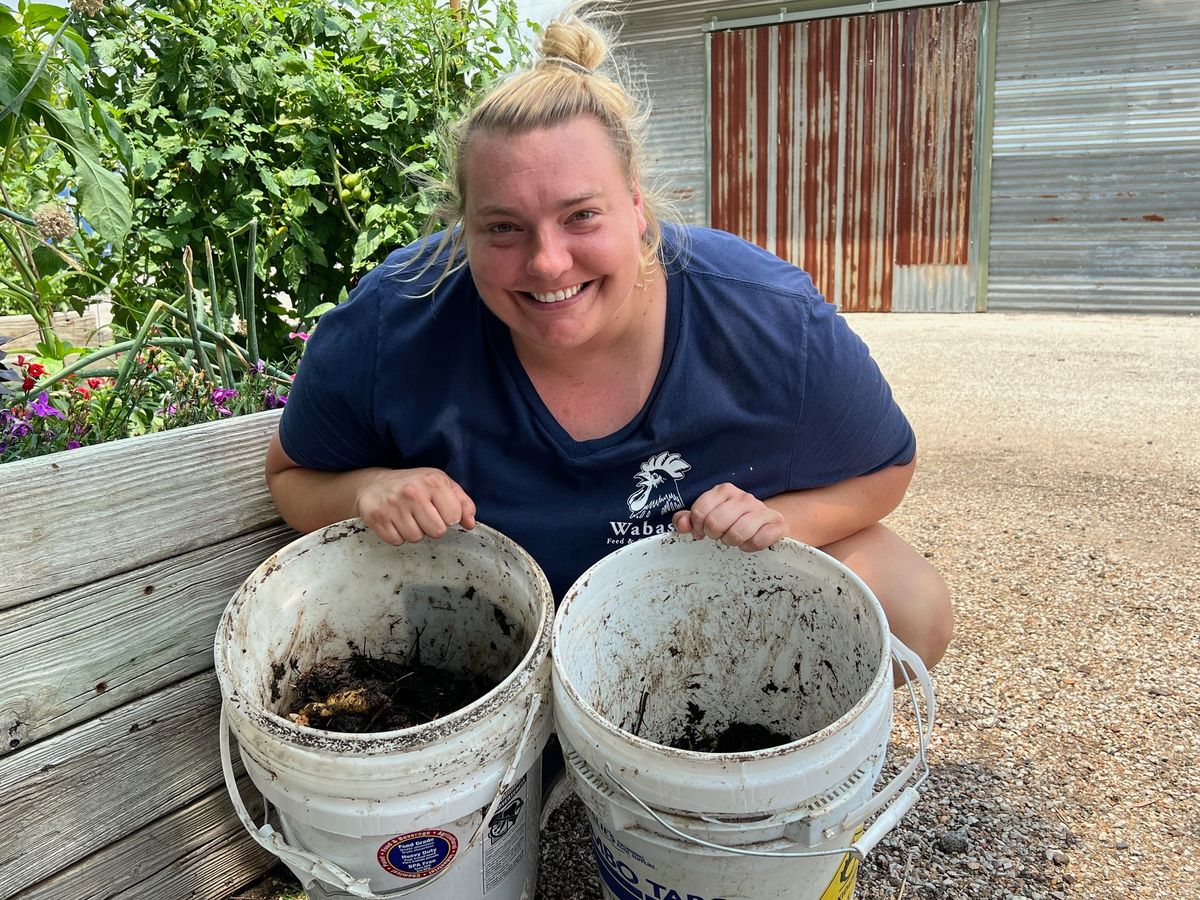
913 593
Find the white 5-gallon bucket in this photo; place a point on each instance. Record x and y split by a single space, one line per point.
671 632
443 810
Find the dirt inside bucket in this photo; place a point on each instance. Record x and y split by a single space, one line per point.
362 694
737 737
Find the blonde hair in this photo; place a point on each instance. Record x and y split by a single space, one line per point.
575 74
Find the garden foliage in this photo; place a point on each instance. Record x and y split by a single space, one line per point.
224 170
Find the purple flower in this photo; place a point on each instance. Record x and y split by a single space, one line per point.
220 395
72 444
171 410
224 410
260 367
19 429
41 407
272 400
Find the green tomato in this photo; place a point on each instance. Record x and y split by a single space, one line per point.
345 194
363 193
178 7
192 6
351 179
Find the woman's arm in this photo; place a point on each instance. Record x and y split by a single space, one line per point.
816 516
820 516
397 504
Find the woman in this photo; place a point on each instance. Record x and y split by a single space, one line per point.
586 377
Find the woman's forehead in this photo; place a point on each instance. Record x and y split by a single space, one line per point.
552 167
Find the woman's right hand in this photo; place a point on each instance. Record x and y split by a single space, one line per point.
407 505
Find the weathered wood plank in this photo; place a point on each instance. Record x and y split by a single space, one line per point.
67 797
72 656
91 329
200 852
129 503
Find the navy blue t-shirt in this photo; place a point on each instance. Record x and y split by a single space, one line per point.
762 384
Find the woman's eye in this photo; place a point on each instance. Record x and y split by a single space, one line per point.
584 214
500 228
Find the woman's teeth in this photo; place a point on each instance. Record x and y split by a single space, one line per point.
556 296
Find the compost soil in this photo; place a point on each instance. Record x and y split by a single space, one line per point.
739 737
362 694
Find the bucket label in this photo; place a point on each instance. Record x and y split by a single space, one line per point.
626 884
841 886
505 842
418 854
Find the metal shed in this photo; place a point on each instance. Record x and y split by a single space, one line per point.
998 154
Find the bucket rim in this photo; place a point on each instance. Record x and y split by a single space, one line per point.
346 742
785 544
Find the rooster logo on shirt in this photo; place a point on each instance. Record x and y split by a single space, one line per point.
657 486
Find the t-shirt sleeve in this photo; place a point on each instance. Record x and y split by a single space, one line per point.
329 422
849 424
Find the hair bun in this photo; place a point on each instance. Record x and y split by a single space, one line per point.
573 42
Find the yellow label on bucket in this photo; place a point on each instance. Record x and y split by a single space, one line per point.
841 886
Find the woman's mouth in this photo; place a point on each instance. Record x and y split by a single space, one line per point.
557 296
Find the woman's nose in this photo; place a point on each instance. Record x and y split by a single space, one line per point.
550 257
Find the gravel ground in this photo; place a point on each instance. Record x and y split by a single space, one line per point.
1059 492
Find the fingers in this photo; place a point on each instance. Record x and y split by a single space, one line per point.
728 514
406 506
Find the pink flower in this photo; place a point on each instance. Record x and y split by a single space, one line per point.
298 335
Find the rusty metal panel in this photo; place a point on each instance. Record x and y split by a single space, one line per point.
1096 156
845 146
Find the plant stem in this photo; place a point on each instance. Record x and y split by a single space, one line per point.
337 185
193 326
17 217
251 310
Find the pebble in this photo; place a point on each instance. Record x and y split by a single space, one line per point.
953 841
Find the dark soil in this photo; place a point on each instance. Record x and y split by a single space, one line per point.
362 694
739 737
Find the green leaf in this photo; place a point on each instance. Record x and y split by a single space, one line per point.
181 216
237 152
294 177
8 24
368 242
103 199
215 112
113 132
79 97
376 120
317 311
196 159
75 47
268 179
43 14
295 267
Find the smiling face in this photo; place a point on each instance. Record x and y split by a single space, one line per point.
553 233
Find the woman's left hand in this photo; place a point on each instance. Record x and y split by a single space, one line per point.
728 514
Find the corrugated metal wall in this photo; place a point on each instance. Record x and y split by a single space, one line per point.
845 145
1096 156
666 43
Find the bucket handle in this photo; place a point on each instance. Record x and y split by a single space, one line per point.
331 874
898 796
